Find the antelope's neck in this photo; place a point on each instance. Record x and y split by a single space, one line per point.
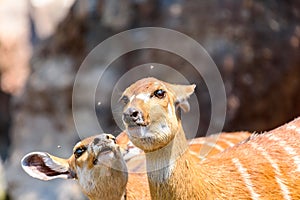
167 156
170 169
114 189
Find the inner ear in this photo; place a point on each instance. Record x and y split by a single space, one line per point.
44 166
183 104
181 95
178 111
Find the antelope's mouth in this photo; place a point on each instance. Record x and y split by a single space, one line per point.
139 132
137 125
134 120
106 149
104 154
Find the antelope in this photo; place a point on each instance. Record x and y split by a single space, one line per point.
98 165
265 166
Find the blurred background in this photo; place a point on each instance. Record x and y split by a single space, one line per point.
255 45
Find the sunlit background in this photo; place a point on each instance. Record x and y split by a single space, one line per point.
255 44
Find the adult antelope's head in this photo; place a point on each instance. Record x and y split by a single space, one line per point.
96 163
152 111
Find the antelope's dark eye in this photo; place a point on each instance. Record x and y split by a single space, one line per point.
110 137
79 151
159 93
124 99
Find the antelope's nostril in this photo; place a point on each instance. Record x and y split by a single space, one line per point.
133 116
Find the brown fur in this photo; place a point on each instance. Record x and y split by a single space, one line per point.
100 170
138 187
108 176
175 173
101 181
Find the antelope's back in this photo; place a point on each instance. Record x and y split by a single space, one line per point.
265 166
204 147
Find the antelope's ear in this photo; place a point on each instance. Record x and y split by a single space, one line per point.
182 93
46 167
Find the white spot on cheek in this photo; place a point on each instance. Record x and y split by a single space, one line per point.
106 159
170 110
143 96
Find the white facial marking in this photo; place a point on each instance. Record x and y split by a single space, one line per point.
246 177
143 96
165 128
139 132
283 187
170 111
105 158
131 98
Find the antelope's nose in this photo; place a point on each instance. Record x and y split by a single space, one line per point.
133 116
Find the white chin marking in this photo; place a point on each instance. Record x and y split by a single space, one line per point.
105 158
138 131
170 111
108 155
